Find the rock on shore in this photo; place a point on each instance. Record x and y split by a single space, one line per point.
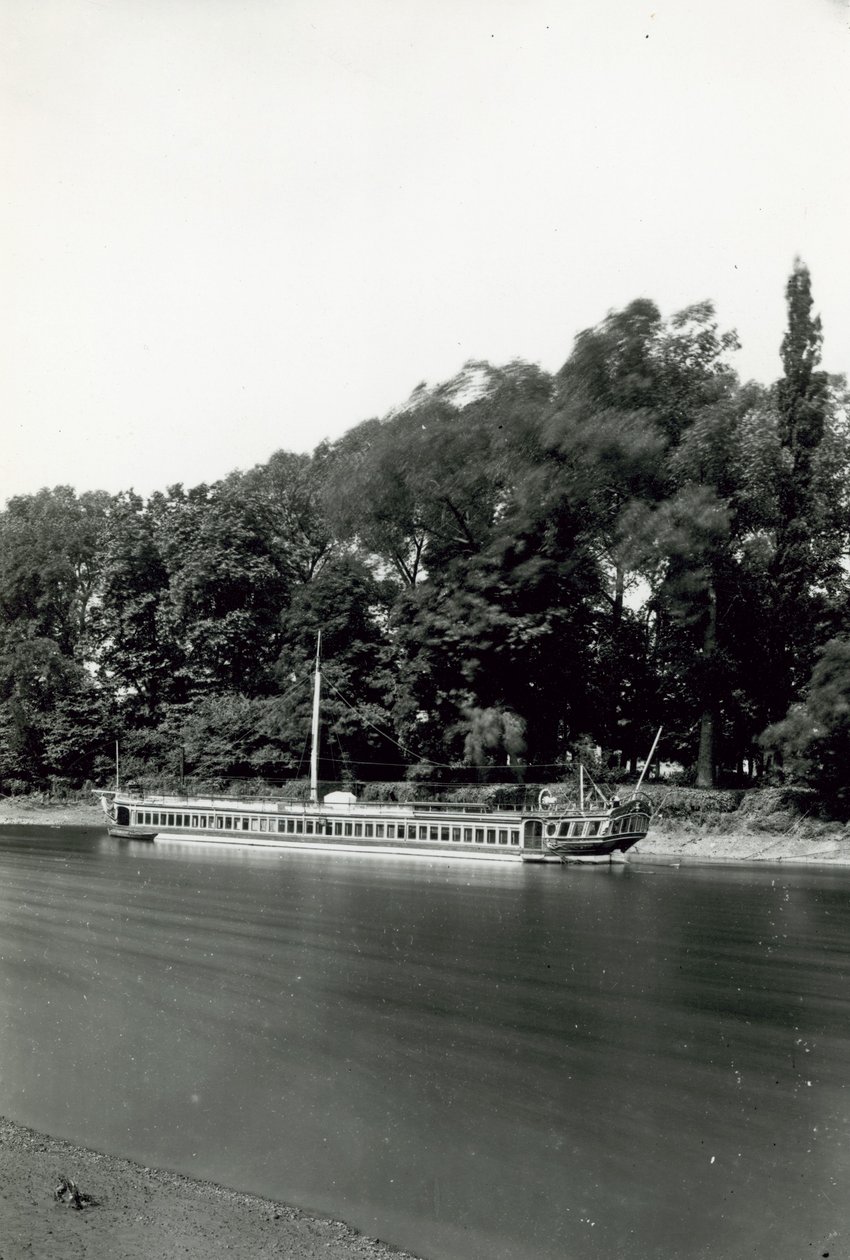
136 1213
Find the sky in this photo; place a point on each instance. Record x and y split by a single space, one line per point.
229 227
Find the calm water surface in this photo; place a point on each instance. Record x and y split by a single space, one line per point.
469 1061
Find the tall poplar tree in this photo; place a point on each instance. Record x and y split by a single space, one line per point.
803 558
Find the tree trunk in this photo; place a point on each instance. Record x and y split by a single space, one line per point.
705 756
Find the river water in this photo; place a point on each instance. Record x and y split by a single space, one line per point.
467 1060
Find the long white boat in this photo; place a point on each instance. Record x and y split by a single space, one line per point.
550 831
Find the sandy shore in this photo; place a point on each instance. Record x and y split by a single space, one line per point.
143 1214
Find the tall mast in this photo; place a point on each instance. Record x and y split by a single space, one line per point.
314 745
649 758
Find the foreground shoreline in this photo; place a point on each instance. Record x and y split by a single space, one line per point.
682 843
141 1213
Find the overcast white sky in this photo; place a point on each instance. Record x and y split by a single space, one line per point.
230 226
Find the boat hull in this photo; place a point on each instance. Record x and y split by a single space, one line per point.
432 831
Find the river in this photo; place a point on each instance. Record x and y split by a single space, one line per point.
471 1061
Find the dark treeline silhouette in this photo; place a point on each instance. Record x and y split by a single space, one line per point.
512 568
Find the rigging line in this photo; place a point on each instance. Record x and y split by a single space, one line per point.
442 764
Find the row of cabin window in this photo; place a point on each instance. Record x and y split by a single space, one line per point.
319 827
620 826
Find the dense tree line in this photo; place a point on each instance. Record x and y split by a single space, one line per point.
510 568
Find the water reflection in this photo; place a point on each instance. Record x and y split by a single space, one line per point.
469 1060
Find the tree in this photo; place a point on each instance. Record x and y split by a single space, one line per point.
50 556
425 485
50 562
802 405
227 588
814 737
349 606
138 656
638 436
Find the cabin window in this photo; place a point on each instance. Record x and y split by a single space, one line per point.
246 823
551 828
202 820
194 820
423 833
369 829
467 835
256 824
290 826
358 829
171 820
337 828
479 835
379 831
281 824
491 835
503 836
307 827
593 828
401 831
219 822
391 831
514 837
576 829
455 833
147 818
433 833
564 829
349 829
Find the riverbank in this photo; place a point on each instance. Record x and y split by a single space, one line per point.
145 1214
830 847
35 811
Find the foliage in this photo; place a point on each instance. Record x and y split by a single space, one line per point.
510 569
813 739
